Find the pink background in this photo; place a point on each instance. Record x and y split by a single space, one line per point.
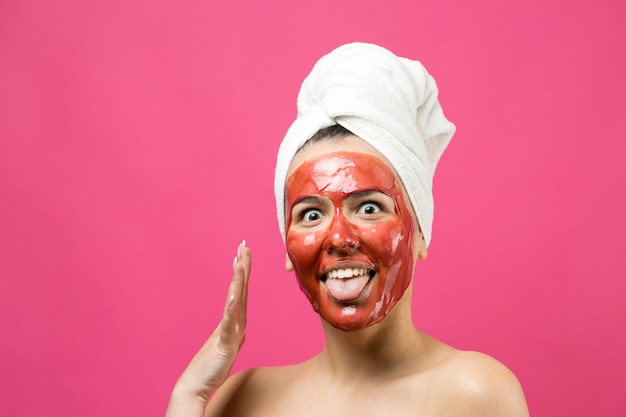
137 146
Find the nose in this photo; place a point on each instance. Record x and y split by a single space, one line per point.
341 236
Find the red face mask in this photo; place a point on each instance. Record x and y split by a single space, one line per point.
349 237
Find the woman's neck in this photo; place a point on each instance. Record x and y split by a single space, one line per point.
382 350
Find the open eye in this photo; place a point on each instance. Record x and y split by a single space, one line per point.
311 211
369 208
311 215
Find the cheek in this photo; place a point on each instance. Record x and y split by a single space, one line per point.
388 242
303 249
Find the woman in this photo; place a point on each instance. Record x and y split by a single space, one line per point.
354 198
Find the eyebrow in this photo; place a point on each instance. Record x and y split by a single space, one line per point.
312 199
366 193
316 200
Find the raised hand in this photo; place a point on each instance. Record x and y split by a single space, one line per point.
210 367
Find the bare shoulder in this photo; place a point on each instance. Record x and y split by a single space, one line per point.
250 391
475 384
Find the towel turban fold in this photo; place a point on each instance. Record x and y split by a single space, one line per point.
388 101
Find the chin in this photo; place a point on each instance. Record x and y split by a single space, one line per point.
349 321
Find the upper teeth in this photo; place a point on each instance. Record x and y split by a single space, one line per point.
347 272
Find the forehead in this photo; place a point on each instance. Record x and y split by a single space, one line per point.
323 147
341 165
342 173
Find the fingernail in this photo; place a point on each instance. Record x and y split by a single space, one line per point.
231 299
240 248
235 262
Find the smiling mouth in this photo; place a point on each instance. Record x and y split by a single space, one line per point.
346 284
344 273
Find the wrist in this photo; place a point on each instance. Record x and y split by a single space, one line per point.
186 402
187 392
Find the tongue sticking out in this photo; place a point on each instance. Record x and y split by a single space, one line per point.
345 289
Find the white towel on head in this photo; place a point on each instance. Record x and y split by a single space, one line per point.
389 102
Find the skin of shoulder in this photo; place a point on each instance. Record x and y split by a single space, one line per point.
475 384
464 384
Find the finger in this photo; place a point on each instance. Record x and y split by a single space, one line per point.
245 258
231 320
246 261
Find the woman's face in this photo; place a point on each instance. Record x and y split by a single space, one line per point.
350 232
